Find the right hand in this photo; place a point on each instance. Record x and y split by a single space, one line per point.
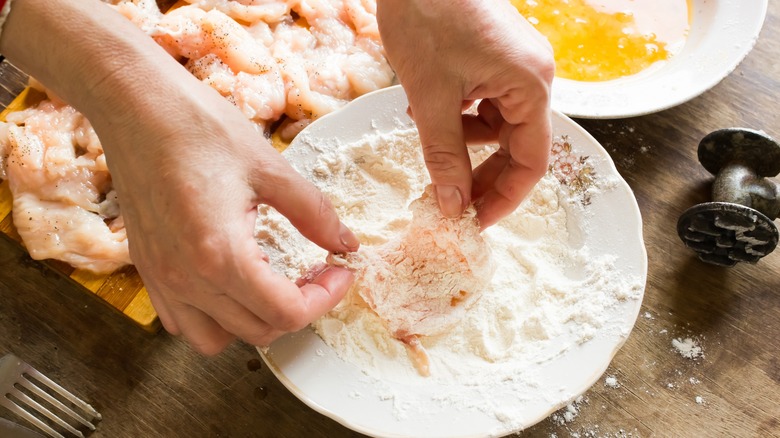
449 53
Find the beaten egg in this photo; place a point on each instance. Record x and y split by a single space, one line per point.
600 40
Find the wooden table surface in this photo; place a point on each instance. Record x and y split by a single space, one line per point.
153 385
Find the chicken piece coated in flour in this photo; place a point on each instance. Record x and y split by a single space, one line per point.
422 282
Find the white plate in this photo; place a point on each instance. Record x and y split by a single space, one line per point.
722 33
312 371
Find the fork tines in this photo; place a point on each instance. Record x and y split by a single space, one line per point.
18 382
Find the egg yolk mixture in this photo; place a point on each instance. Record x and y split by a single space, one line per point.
600 40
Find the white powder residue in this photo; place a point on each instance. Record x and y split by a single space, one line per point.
687 348
699 400
550 293
612 382
569 412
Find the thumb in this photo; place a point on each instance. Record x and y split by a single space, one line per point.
304 205
437 113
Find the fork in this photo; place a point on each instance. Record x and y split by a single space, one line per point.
15 375
12 82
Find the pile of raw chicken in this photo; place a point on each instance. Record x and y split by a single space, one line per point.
288 63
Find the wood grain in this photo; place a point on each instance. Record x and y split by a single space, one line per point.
154 385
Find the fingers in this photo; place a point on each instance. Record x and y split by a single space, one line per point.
508 191
311 274
483 127
530 143
305 206
327 289
163 312
506 178
437 114
288 307
201 331
234 318
223 318
237 295
258 304
486 173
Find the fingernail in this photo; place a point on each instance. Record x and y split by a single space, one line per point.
348 238
450 200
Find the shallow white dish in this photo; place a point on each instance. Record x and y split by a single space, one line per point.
722 33
312 371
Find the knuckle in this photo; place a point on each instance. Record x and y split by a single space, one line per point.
441 159
291 321
262 339
207 258
325 205
547 65
542 57
207 347
170 325
169 275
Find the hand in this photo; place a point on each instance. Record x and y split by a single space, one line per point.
449 53
190 173
189 169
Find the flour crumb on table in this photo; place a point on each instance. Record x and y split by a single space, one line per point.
569 412
688 348
612 382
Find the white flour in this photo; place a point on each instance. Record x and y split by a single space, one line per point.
549 293
688 348
612 382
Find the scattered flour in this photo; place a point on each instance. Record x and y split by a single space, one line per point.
688 348
550 293
612 382
568 413
699 400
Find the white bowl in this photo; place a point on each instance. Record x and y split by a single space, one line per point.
722 33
